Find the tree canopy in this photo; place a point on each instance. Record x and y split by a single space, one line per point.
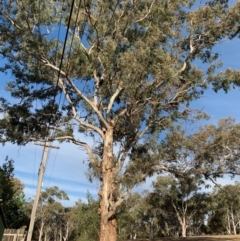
129 72
225 215
51 214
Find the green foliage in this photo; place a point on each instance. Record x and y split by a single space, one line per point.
211 151
131 217
225 215
128 76
159 213
11 193
179 202
141 60
86 218
51 215
51 194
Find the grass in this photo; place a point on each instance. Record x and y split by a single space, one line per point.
199 238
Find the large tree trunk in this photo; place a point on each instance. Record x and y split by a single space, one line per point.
184 231
108 224
184 227
182 219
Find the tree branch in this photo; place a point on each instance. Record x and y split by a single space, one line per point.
96 87
148 12
115 205
47 63
178 215
114 96
91 103
79 143
75 115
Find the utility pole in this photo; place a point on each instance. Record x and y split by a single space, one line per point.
39 185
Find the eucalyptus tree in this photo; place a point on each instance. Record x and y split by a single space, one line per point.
208 153
134 217
50 214
128 73
179 199
225 217
86 219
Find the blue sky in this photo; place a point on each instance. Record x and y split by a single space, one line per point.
66 168
221 105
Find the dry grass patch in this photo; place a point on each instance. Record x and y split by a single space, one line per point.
201 238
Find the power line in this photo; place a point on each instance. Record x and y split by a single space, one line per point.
64 46
34 165
47 162
58 40
70 49
50 177
38 75
47 144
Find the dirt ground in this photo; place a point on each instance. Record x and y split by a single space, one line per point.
201 238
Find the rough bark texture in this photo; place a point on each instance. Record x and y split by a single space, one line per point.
108 224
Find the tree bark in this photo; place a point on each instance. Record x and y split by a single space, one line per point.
60 234
151 228
65 237
46 234
182 219
184 228
228 224
233 223
108 223
41 231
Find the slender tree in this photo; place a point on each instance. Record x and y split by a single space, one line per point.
11 193
50 215
225 217
128 73
133 217
85 216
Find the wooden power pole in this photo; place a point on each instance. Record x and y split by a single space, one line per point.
39 185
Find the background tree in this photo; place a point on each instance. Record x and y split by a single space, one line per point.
180 200
86 218
50 220
163 211
11 193
208 153
159 199
225 217
133 218
198 223
128 74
